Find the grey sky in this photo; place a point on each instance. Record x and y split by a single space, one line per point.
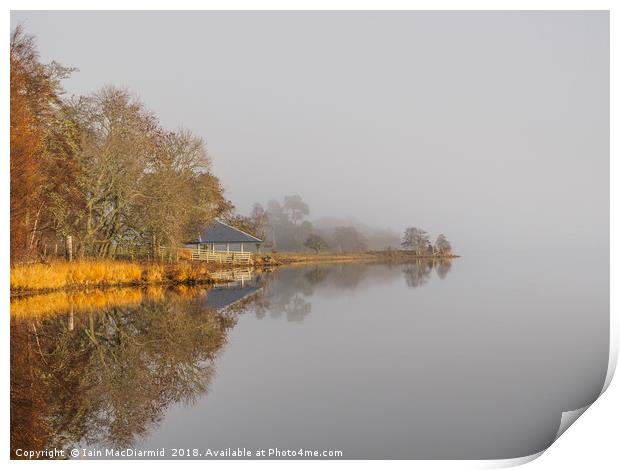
492 127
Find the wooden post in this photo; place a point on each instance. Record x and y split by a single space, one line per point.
69 248
227 247
241 247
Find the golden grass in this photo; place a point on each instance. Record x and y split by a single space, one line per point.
153 273
84 273
101 273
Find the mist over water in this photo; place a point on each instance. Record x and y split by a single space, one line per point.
464 359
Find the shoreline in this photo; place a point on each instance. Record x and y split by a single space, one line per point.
393 256
80 276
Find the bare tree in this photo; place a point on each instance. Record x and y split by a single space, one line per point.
416 239
442 245
116 145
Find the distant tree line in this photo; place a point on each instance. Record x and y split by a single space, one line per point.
98 170
284 227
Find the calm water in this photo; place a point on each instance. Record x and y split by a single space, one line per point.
471 359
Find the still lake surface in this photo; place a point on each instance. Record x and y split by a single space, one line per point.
468 359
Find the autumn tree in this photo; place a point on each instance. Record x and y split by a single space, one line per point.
315 242
34 117
99 168
118 139
140 183
179 194
416 239
61 194
442 245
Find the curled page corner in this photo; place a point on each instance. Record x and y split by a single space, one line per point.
613 358
515 462
568 417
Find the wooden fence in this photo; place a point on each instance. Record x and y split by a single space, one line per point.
196 254
222 257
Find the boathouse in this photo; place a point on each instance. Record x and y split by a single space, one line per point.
224 243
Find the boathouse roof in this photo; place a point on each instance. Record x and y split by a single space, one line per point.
219 232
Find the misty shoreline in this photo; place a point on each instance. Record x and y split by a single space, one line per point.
181 273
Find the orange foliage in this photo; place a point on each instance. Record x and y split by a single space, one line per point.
34 89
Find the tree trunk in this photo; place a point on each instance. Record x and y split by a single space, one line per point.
69 248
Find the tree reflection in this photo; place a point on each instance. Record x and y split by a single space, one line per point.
316 274
105 377
286 293
442 267
419 273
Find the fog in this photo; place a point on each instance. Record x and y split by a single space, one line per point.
490 127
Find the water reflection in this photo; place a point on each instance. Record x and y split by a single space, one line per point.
102 368
288 295
417 274
105 377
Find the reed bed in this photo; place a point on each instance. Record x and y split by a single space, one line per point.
40 277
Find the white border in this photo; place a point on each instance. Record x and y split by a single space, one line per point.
592 442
